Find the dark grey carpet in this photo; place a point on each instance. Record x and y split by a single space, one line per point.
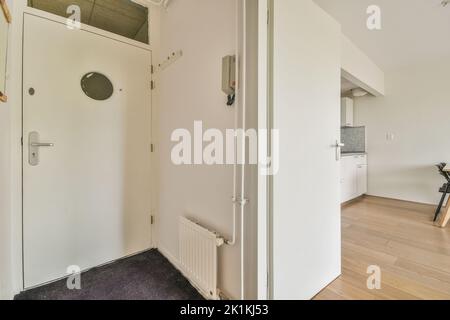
147 276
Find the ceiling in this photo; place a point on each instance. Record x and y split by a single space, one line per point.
413 31
121 17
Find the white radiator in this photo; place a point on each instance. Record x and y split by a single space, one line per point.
198 256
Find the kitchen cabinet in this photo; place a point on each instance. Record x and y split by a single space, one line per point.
361 179
347 115
349 187
353 177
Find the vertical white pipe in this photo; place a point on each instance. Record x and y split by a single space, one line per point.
241 61
232 242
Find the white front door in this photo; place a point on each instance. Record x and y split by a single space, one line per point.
306 242
86 196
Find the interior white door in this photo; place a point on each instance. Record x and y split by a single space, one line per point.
87 200
306 241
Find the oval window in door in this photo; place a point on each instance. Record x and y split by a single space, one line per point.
97 86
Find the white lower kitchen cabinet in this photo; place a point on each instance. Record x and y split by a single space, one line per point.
349 186
353 177
361 179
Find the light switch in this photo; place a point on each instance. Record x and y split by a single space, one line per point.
390 137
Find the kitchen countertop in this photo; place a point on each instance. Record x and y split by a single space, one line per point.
350 154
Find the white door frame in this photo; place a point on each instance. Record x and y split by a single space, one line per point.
20 8
263 124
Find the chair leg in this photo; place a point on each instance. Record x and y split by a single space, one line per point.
440 206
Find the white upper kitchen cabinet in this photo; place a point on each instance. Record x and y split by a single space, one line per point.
347 107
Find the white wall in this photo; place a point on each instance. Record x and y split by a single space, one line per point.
416 109
15 99
5 204
5 196
190 90
360 69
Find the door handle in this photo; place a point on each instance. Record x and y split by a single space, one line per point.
338 147
42 144
33 148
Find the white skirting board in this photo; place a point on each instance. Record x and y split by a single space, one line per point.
6 294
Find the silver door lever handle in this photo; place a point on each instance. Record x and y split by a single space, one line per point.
33 148
338 147
35 144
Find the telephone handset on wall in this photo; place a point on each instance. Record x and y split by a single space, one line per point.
229 78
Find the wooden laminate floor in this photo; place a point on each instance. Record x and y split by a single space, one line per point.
399 237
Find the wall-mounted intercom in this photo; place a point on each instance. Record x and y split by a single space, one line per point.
229 78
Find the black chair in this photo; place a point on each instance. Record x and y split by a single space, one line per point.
445 189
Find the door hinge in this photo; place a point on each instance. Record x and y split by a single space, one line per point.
21 141
152 69
152 147
152 85
152 219
240 200
268 16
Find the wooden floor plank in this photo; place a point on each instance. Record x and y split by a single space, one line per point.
400 238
